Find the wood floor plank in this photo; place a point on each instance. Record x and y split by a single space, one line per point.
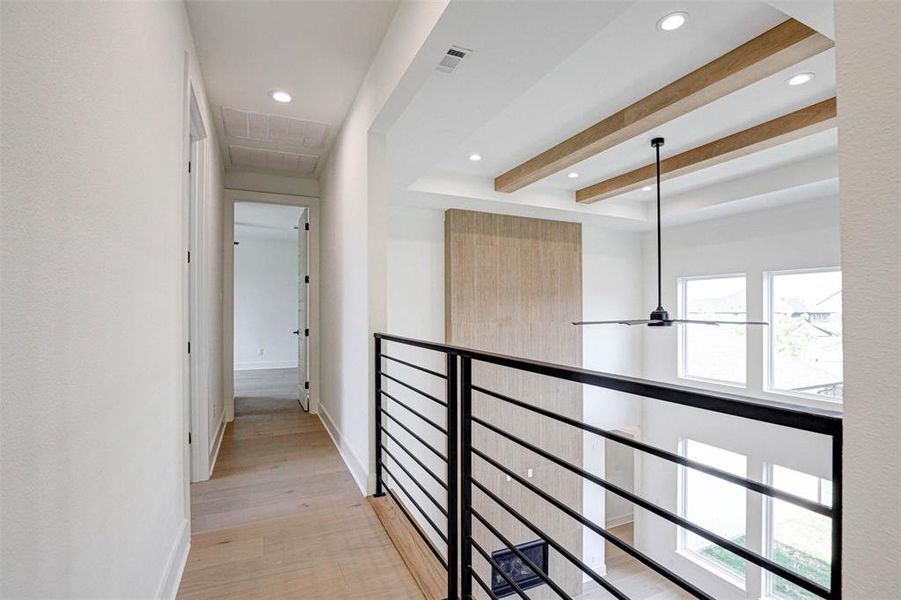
281 517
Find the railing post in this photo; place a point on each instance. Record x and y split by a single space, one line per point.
452 479
835 583
465 474
379 491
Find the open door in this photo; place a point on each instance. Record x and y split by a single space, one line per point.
303 286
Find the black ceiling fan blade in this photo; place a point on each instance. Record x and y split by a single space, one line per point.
699 322
619 322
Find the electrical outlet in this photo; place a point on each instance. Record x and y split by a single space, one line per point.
259 352
529 473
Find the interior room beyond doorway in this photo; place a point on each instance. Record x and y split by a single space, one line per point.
271 279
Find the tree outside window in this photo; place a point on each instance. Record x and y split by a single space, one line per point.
806 333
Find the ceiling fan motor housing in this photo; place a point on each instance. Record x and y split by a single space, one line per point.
660 314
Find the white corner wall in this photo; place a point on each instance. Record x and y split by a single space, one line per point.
353 244
94 233
869 95
266 275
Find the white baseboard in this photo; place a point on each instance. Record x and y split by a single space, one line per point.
270 364
175 565
621 520
360 475
220 433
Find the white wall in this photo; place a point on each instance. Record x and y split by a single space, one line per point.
611 289
94 234
266 275
353 245
271 183
803 235
869 155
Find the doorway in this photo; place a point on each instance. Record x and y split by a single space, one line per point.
195 378
271 305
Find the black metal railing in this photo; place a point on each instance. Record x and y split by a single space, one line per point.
458 480
446 481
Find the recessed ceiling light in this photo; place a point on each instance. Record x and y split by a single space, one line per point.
800 79
672 21
647 188
280 96
572 175
475 157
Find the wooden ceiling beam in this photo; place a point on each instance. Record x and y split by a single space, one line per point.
807 121
779 48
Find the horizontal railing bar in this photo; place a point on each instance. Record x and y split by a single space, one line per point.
416 412
750 484
494 564
627 548
760 561
414 434
416 504
798 417
421 487
551 541
415 389
535 569
413 456
418 529
482 583
413 366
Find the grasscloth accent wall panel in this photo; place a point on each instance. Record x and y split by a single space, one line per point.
514 285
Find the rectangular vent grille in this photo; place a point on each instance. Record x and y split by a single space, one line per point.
261 127
452 59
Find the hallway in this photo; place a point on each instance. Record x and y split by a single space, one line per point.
281 517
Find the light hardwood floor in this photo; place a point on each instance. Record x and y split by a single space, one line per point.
281 517
630 576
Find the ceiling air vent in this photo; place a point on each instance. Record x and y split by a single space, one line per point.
452 59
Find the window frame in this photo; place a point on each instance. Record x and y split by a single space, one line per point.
682 350
769 579
769 353
681 533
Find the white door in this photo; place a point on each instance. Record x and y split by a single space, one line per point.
303 338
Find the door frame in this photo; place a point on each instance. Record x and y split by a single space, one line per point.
311 203
196 374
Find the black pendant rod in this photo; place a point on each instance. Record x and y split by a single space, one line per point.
657 142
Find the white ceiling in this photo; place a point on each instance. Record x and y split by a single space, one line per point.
318 51
532 82
270 221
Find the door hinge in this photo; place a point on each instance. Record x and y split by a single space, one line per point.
189 347
306 385
306 279
306 226
189 166
189 437
189 256
306 332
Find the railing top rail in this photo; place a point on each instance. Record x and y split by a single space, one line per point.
811 419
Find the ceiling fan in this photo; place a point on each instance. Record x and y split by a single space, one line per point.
659 316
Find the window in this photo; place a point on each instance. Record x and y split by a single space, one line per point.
713 353
799 540
805 345
716 505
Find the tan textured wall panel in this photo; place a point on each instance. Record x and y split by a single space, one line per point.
514 285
